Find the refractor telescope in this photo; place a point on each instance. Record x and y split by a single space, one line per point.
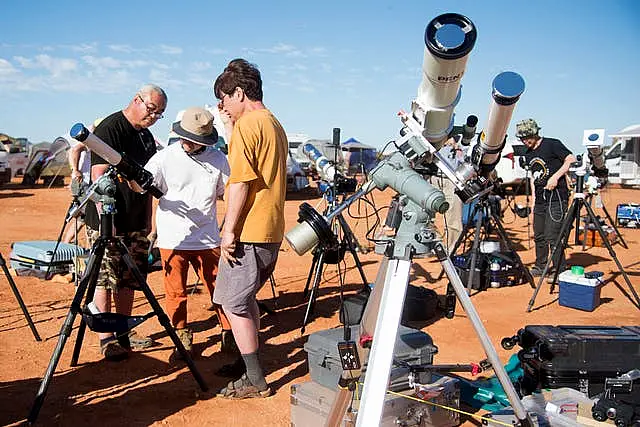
127 167
449 39
327 170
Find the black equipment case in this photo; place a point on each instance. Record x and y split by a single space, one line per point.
578 357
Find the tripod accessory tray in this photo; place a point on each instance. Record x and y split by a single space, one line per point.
36 256
412 346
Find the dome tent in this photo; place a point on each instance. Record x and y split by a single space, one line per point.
358 157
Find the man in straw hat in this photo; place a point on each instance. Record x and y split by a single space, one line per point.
192 175
254 219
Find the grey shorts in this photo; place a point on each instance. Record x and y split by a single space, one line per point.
237 285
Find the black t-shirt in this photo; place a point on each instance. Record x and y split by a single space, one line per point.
543 162
133 209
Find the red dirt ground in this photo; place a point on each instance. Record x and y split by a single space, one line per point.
147 390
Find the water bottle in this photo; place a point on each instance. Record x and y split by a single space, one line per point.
495 271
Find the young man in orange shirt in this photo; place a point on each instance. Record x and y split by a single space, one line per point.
254 221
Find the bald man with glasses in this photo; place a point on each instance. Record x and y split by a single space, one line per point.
126 131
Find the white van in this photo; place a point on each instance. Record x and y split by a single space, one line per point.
623 157
508 168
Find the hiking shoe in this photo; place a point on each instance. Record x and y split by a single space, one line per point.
186 338
138 342
228 342
112 350
243 389
232 370
536 271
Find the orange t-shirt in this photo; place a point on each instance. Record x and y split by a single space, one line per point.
258 156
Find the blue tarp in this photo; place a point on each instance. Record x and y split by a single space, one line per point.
358 156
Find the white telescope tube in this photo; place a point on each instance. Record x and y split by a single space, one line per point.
449 38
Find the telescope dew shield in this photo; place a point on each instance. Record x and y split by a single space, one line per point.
449 38
313 229
506 90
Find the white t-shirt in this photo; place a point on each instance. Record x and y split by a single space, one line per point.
186 215
84 164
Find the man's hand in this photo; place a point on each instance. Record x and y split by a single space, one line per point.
228 246
552 183
152 236
76 175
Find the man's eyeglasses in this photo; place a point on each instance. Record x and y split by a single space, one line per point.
151 109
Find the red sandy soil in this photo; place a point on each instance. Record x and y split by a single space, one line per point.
147 390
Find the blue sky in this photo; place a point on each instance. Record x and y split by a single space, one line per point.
347 64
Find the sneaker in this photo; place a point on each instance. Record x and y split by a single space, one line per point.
186 338
228 342
138 342
242 389
112 350
536 271
232 370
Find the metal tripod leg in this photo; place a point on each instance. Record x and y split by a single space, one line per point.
67 326
505 239
316 254
349 238
317 275
615 227
558 245
380 357
16 292
477 210
606 242
92 272
162 316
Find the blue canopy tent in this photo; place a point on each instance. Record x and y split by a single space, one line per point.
358 157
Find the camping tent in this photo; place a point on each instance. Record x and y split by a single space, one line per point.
358 157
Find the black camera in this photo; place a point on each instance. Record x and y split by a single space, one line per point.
345 185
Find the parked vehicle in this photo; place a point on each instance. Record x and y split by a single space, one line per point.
623 157
513 175
5 170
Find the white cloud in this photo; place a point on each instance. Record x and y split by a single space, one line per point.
170 50
113 63
200 66
124 48
84 47
6 68
55 66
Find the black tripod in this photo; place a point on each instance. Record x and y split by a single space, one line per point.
573 214
105 322
14 288
330 251
486 215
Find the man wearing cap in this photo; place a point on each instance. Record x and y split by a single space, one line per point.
192 175
127 132
254 219
548 161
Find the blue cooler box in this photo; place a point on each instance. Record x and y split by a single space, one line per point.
578 291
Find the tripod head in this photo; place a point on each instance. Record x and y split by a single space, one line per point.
102 193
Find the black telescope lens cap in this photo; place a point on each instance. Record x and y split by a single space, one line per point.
450 36
507 87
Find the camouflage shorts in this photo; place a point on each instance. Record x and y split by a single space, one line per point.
114 273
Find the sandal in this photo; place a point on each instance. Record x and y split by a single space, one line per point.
242 389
